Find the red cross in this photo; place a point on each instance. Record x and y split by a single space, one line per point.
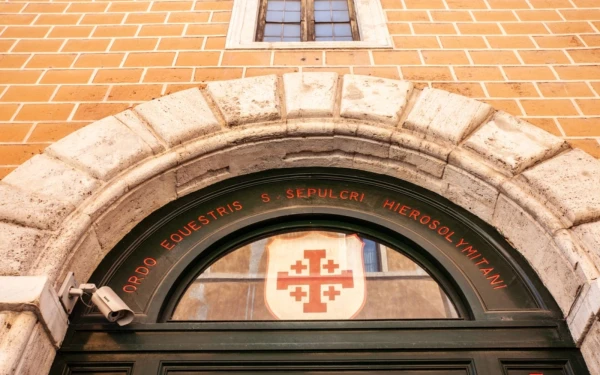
331 293
315 279
298 267
298 294
331 266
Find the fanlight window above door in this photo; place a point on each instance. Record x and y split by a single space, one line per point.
314 275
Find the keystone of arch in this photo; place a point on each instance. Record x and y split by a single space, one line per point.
65 209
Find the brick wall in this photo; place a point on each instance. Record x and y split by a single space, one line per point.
64 64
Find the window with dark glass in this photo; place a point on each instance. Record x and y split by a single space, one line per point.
307 21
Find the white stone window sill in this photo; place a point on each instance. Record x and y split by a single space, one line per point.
369 15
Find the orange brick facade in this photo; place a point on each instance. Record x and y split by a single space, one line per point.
66 64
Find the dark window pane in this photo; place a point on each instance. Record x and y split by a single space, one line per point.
370 256
272 39
290 39
344 38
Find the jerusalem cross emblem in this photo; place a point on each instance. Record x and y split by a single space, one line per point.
315 275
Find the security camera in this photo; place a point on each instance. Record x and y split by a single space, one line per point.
105 299
111 306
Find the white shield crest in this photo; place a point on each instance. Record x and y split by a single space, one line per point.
315 275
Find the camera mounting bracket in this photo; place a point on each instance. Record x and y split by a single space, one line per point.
67 299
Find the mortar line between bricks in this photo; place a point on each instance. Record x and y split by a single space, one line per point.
28 135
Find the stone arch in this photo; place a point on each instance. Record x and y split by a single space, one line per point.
65 209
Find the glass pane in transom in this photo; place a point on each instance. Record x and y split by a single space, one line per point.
314 275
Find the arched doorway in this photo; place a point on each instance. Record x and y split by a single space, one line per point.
454 298
93 187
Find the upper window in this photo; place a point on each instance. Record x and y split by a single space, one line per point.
307 24
307 20
314 275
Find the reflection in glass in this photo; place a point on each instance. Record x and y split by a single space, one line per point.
314 275
332 21
282 21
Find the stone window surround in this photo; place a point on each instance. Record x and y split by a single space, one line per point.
509 173
369 15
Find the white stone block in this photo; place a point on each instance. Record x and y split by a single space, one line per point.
347 127
472 163
417 160
470 192
47 176
309 94
102 149
591 347
377 132
213 143
331 160
319 152
361 146
38 355
413 142
20 247
531 240
374 164
247 100
139 127
133 208
87 255
406 173
310 127
374 99
577 256
571 183
511 144
446 116
179 117
203 167
202 172
473 186
32 210
458 196
258 132
36 294
528 201
256 157
589 235
59 247
15 330
584 312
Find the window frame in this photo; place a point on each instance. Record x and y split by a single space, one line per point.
307 21
370 24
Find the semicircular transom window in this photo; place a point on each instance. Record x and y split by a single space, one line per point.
314 275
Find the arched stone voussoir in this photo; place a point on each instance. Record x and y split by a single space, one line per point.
99 182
